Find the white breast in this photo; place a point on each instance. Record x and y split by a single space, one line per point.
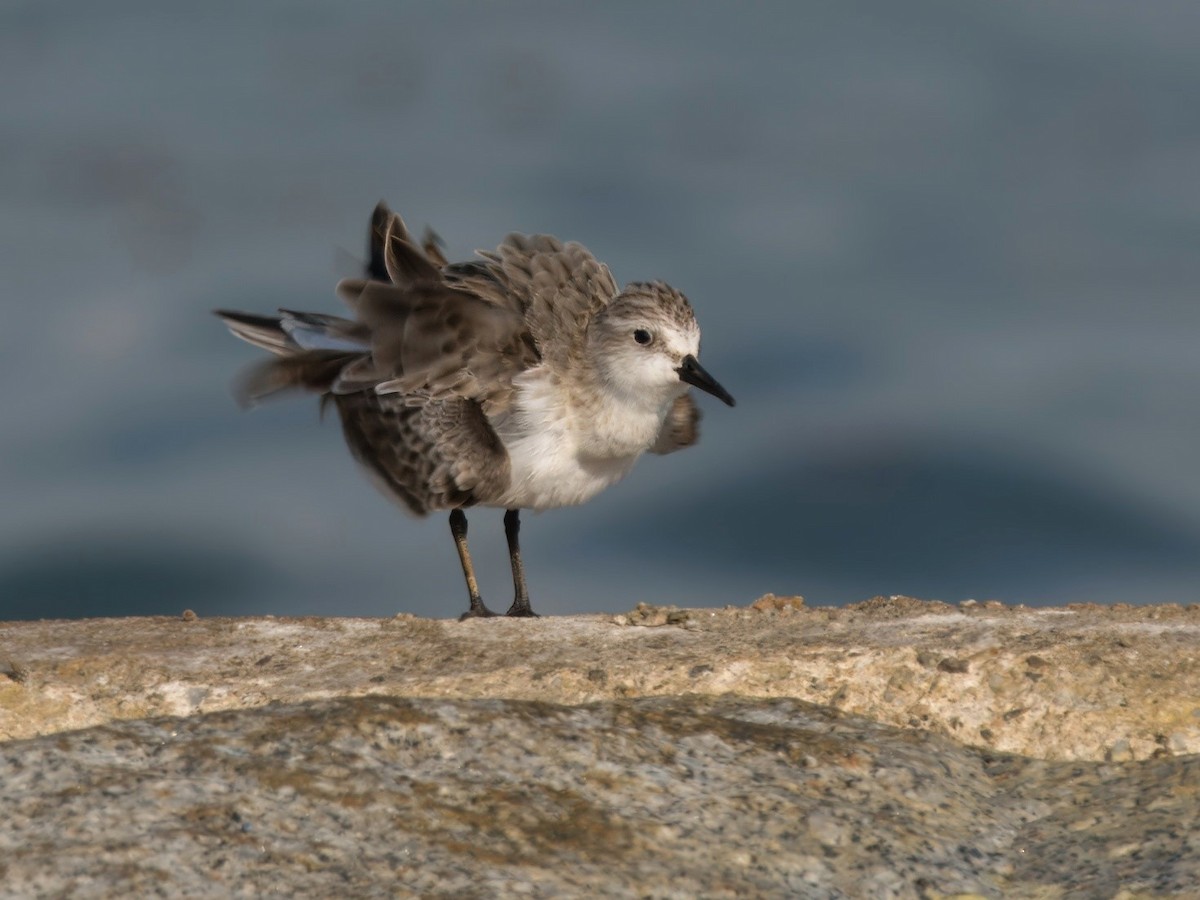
562 455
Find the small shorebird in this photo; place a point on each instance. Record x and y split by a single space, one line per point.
523 380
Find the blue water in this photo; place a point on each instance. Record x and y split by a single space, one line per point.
944 254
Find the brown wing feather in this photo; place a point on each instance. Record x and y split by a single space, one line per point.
446 342
681 428
557 288
405 262
432 244
431 341
412 408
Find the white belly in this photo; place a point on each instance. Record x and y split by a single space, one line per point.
560 458
547 472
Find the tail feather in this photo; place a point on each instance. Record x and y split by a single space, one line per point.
311 350
308 370
265 332
317 331
332 355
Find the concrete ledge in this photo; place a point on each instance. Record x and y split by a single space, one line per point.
1076 683
769 751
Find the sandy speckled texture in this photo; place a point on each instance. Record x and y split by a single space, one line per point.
772 750
1087 683
663 797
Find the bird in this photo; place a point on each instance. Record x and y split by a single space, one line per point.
523 379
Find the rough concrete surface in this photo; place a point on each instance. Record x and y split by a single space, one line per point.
1094 683
771 750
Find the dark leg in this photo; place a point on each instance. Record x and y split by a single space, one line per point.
512 527
458 528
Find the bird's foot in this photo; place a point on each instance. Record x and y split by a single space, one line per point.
521 610
477 611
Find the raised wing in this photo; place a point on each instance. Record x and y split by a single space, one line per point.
426 330
557 288
431 338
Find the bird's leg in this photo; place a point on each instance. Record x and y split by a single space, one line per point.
458 528
512 527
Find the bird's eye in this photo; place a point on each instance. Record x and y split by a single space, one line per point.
642 336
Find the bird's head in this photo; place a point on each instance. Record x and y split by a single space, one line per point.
645 344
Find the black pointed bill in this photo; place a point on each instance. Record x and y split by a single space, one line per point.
693 373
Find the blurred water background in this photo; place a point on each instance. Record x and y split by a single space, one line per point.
946 255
